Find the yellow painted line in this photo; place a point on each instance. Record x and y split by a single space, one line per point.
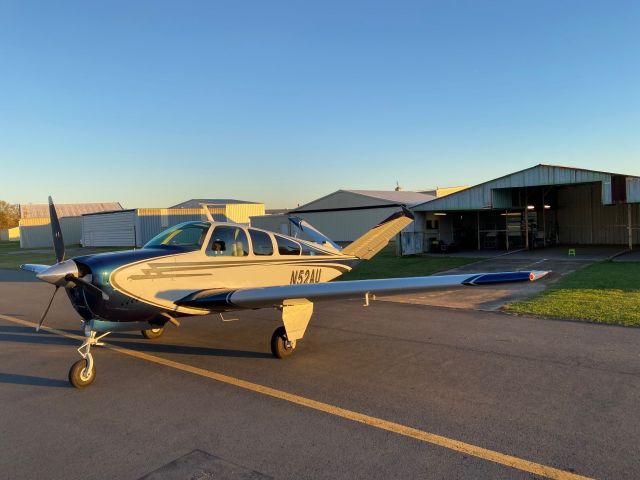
432 438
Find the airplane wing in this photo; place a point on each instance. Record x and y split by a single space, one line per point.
276 296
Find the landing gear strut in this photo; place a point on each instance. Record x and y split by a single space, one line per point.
83 372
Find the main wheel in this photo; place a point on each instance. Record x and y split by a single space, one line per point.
79 376
281 347
152 333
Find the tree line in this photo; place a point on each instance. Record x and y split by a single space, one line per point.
9 215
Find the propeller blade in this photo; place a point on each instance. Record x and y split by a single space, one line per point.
58 242
86 285
46 310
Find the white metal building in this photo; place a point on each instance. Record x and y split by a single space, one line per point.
344 215
129 228
35 228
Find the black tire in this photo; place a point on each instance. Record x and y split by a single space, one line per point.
279 344
78 376
152 333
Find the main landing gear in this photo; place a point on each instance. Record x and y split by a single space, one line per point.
296 314
83 372
281 346
152 333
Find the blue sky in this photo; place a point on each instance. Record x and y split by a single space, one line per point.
152 102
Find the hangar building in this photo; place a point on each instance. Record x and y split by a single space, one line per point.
540 206
35 228
135 227
344 215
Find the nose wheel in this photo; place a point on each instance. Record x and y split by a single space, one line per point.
281 346
83 372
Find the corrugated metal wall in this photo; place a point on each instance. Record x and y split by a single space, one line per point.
36 232
273 223
10 234
241 212
583 220
117 229
482 196
151 221
137 227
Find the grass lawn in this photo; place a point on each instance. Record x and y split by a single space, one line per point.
605 292
387 265
12 256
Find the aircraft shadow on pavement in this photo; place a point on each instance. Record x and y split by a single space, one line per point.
31 380
188 350
19 334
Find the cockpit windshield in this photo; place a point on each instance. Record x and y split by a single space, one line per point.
186 237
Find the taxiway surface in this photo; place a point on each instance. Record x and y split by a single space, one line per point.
563 395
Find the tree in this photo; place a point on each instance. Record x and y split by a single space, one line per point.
9 215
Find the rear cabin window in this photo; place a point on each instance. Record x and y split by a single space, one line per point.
262 244
307 250
287 247
228 242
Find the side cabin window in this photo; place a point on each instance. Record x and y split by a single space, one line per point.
228 242
262 244
310 251
286 246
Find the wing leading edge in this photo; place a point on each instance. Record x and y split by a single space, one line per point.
274 296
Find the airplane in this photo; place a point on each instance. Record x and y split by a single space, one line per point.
205 267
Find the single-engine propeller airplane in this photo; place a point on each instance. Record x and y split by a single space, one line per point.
204 267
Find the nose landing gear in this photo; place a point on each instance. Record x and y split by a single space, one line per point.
83 372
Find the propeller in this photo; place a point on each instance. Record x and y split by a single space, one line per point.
63 273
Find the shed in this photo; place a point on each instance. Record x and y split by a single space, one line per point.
134 228
35 227
344 215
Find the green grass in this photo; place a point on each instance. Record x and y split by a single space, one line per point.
387 265
12 256
605 292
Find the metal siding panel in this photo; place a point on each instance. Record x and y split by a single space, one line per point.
109 230
583 220
347 226
36 232
151 220
502 199
633 190
273 223
479 196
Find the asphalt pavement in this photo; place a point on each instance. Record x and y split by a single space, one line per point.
560 394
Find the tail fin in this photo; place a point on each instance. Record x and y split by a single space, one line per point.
379 236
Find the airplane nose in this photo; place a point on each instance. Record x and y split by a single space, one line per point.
56 274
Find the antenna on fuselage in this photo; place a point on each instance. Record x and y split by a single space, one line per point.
207 212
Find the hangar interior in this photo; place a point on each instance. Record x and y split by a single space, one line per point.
542 206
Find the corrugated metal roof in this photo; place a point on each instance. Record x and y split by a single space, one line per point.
195 202
481 196
402 197
41 210
350 199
